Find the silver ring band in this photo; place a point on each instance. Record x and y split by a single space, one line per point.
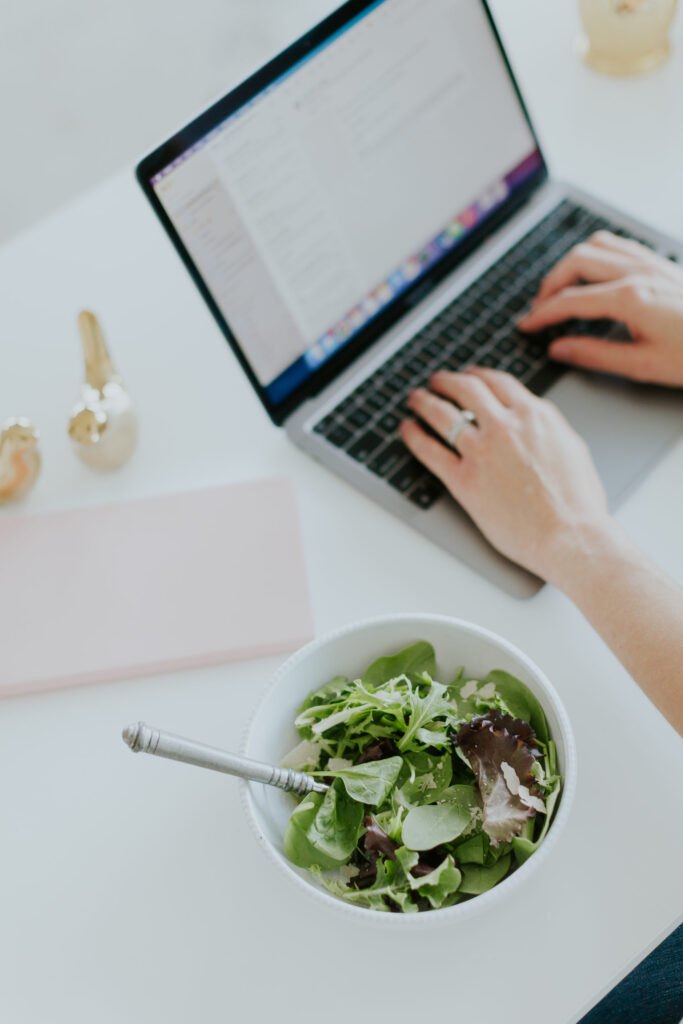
462 420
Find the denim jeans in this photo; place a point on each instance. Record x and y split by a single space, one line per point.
650 994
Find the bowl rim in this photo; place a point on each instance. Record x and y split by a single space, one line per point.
460 911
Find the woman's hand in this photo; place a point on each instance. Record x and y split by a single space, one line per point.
522 473
628 283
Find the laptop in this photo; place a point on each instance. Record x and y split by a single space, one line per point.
372 205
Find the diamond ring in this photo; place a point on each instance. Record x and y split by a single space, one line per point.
462 420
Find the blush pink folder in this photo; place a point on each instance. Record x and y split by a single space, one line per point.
150 586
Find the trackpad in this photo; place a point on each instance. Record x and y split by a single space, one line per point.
627 426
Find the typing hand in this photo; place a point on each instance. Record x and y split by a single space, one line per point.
522 473
628 283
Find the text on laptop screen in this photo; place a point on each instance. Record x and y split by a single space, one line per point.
315 204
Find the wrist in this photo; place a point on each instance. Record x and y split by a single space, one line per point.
579 550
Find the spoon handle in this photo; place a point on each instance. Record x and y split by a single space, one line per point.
141 737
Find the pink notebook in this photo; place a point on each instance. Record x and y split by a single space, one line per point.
152 585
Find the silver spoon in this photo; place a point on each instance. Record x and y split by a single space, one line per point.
141 737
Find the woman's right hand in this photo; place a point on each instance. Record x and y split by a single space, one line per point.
626 282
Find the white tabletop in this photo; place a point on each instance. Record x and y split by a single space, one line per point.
133 889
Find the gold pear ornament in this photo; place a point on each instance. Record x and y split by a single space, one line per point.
104 426
19 459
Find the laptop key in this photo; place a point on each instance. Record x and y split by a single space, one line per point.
376 400
407 474
388 458
504 346
358 418
339 436
518 367
389 423
488 360
362 449
425 494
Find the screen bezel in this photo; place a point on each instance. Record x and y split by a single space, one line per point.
174 147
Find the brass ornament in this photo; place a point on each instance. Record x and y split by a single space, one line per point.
103 426
20 459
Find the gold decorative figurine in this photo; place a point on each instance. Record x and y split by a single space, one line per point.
19 459
103 427
626 37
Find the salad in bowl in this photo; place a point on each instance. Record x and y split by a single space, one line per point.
440 785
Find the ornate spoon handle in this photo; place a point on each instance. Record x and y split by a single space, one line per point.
141 737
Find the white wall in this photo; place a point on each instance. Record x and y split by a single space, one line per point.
88 86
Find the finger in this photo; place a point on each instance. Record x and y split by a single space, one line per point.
440 415
584 262
613 300
627 359
442 461
643 259
624 246
508 390
469 392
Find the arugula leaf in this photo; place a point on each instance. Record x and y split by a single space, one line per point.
325 693
323 829
476 879
433 824
413 660
423 710
369 783
439 884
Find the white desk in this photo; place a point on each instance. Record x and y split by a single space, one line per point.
132 890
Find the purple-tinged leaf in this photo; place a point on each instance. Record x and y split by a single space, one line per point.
500 750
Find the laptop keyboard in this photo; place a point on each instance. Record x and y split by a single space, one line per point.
476 328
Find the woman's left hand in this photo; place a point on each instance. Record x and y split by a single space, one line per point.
522 473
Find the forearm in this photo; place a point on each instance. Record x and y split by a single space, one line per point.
633 605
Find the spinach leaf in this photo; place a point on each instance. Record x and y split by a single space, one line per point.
369 783
520 701
439 884
413 660
324 829
464 795
472 850
476 879
433 824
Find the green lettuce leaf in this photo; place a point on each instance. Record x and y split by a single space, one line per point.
433 824
476 879
369 783
323 829
440 885
414 660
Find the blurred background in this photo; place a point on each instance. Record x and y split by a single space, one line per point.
87 88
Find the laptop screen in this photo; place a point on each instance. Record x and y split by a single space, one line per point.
315 204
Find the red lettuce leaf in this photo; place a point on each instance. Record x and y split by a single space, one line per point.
501 751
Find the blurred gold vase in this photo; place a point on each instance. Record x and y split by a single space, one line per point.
626 37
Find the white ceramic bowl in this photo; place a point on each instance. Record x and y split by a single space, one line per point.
348 652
